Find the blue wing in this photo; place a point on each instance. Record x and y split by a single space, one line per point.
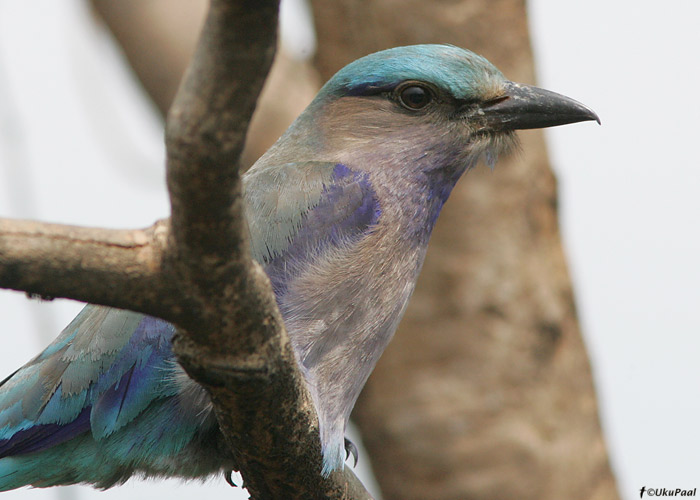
107 368
298 210
106 361
107 398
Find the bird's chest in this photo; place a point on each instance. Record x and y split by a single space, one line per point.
348 301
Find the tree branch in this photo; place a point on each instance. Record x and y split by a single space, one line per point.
237 346
207 123
121 268
205 133
197 271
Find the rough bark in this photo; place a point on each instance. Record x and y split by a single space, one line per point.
485 391
195 270
54 260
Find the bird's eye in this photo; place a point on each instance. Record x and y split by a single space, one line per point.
414 97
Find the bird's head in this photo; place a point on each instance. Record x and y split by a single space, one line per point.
431 106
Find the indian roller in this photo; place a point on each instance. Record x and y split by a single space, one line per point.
339 211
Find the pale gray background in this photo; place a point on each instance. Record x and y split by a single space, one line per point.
79 145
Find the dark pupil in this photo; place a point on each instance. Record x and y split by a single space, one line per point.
414 97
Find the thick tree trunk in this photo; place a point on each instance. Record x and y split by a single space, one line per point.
486 390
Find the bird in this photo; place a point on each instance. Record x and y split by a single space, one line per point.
339 213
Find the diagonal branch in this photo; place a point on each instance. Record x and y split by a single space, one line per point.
205 133
206 128
236 346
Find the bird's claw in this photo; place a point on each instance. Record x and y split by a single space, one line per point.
351 449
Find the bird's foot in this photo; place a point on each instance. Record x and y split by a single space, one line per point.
351 449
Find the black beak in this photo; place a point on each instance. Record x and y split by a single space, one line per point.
524 107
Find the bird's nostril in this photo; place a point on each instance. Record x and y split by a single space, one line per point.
497 100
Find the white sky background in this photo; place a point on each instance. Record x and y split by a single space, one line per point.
630 197
78 145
